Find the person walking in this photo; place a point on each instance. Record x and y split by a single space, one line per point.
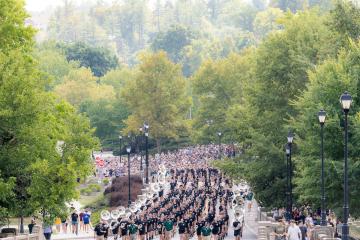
86 221
303 230
100 230
74 223
58 224
280 231
294 232
47 232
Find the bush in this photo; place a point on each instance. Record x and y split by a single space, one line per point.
118 191
95 217
95 187
87 191
106 181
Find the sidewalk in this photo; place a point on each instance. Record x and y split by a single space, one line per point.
61 236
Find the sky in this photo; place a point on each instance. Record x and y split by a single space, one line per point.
40 5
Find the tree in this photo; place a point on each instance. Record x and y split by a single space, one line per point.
278 74
292 5
117 78
156 95
240 15
14 33
53 63
172 42
80 86
32 123
98 59
217 86
266 22
345 22
327 83
106 116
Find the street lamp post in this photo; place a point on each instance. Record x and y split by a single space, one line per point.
128 150
146 130
322 117
290 139
346 101
120 146
140 142
288 208
219 135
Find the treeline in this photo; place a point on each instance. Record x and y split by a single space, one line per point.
257 96
45 145
190 31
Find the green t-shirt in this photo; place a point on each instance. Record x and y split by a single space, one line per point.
206 231
133 229
168 225
249 196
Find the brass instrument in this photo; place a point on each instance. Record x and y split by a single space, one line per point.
105 215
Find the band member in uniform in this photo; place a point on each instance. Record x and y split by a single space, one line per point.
124 229
206 231
199 225
168 225
142 228
215 230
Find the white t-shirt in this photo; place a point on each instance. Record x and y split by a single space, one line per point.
294 233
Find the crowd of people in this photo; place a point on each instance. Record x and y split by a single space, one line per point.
302 223
197 204
193 156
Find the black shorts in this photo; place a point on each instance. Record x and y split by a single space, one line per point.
123 233
237 233
47 236
142 232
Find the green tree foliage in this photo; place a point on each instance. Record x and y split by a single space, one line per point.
266 22
329 80
278 74
80 86
106 116
99 60
32 122
285 5
157 95
53 63
14 34
239 15
218 85
172 42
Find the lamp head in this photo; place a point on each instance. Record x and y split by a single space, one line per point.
322 116
290 137
346 101
128 149
120 137
219 134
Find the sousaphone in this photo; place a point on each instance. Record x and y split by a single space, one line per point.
105 215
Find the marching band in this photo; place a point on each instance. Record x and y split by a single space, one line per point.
196 204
